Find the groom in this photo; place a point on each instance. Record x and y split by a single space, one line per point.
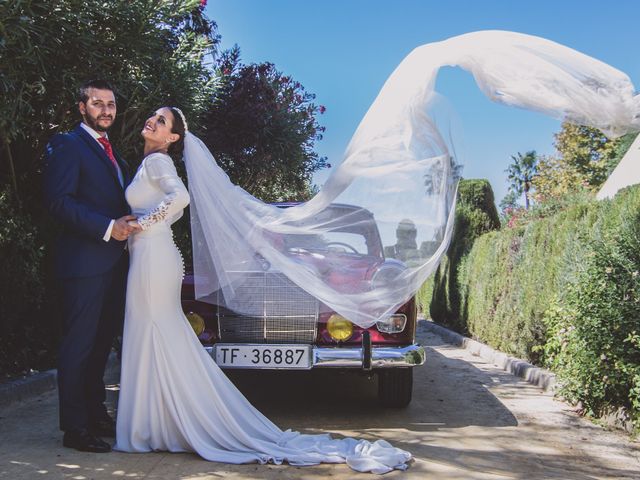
84 182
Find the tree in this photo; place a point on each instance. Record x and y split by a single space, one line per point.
262 129
433 179
586 151
152 51
508 206
556 179
521 172
510 201
586 158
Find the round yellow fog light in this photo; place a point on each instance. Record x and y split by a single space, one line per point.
339 328
196 322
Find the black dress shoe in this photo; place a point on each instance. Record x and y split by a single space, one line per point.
103 428
85 442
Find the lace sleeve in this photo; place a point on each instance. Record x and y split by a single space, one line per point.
162 172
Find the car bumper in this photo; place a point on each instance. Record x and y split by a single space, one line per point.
380 357
361 357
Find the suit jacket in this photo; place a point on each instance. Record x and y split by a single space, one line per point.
83 193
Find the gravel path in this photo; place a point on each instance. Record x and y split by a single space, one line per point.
468 420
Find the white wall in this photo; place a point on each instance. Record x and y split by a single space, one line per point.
626 173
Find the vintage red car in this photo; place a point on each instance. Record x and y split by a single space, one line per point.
296 331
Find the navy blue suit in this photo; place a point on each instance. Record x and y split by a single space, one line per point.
83 194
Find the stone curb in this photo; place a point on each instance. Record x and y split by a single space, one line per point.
535 375
24 388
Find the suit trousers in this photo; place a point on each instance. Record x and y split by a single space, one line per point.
92 315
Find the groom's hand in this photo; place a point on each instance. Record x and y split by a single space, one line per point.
121 228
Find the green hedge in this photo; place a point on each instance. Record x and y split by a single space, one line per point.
593 327
562 291
475 214
510 276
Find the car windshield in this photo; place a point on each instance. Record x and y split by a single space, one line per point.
357 235
336 241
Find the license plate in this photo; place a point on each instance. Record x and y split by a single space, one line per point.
263 356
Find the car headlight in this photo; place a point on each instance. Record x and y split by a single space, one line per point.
392 324
339 328
196 322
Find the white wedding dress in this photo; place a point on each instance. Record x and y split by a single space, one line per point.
173 397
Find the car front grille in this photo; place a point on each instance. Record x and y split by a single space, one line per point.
273 310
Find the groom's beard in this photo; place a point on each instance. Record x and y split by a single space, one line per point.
99 124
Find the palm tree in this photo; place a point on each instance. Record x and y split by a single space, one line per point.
521 172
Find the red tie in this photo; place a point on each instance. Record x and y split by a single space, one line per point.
104 141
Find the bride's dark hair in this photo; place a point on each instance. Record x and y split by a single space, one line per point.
176 148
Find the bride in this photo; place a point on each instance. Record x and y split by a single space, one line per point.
173 396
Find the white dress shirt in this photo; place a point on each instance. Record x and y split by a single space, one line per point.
96 135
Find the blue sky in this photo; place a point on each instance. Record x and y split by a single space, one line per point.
343 51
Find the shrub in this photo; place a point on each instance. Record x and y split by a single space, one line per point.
21 257
594 328
476 214
562 289
509 278
27 335
154 52
423 296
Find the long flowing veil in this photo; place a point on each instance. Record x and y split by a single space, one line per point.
381 223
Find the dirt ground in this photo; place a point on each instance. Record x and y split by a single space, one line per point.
468 420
